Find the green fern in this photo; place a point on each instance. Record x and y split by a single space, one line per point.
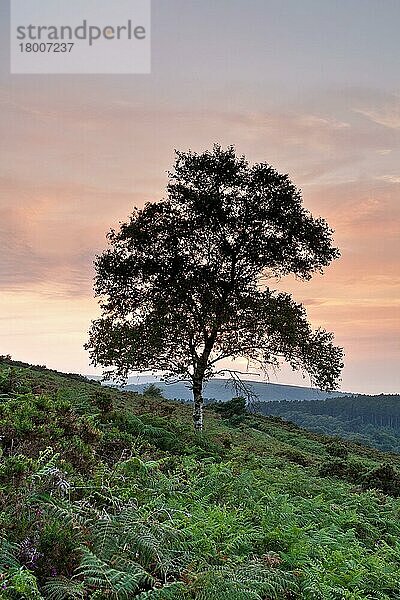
117 583
7 554
172 591
73 515
156 545
61 588
252 580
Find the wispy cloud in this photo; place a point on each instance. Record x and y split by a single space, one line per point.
386 113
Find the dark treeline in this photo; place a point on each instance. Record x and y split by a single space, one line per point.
382 411
370 420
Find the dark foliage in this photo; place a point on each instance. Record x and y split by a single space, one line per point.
234 407
153 391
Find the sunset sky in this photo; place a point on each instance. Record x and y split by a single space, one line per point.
310 86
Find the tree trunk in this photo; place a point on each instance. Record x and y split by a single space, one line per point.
198 405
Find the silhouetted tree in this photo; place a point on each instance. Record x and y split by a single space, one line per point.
184 281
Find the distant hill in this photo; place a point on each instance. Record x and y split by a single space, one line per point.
222 390
137 380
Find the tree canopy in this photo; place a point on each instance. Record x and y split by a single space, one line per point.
184 283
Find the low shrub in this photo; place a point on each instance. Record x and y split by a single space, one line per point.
337 449
385 478
296 457
232 408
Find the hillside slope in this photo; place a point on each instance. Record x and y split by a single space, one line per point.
110 495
